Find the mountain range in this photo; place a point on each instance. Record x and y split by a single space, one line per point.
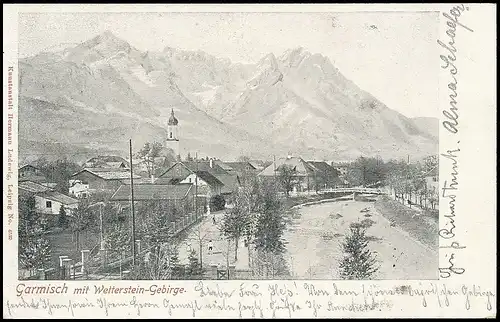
90 98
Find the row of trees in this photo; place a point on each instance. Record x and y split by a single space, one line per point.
406 180
259 216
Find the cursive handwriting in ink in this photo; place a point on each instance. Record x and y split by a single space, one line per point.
449 63
451 269
217 292
448 233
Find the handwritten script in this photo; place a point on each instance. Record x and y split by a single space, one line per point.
449 61
450 185
256 299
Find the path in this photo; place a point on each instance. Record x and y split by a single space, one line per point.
206 230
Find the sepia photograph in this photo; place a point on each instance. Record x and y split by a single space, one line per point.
228 145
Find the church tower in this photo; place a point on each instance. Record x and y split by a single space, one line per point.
173 134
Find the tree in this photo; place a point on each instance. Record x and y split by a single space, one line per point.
34 247
149 154
63 218
358 261
287 177
58 171
270 220
236 219
194 269
189 157
118 239
83 218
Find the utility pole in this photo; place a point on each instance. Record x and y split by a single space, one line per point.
196 187
132 204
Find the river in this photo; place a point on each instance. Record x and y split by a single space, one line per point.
316 233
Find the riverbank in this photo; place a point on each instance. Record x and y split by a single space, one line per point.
317 232
421 225
296 201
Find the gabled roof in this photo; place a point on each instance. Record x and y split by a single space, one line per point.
32 178
152 192
208 178
58 197
28 166
240 166
230 182
108 174
32 187
323 167
432 173
106 161
301 166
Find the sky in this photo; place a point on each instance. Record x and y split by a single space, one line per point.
392 55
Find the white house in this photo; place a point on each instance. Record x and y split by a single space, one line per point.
204 180
47 200
50 202
78 188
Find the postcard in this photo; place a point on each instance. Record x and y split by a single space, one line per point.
249 161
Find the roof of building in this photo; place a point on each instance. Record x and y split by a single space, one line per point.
172 120
58 197
167 181
106 161
152 192
223 165
28 166
229 180
33 178
240 166
209 178
203 165
109 174
323 167
432 172
301 166
33 187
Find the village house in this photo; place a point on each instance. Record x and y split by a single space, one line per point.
307 175
325 176
107 161
181 171
179 200
303 173
432 178
241 169
105 180
47 200
342 167
29 172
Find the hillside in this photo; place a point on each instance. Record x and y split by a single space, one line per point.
98 94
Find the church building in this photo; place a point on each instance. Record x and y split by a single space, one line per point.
173 134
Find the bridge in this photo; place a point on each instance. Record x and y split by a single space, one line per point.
361 190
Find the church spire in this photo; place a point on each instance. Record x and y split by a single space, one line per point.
172 120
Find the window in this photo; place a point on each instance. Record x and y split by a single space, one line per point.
48 204
170 134
189 180
435 179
